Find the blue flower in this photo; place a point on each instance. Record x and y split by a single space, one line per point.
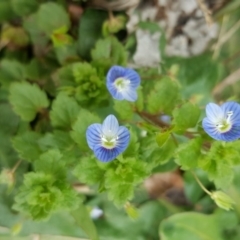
107 140
222 122
122 83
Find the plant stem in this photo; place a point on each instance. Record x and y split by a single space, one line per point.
200 184
16 166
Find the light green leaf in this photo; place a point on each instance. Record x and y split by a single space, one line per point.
50 163
52 16
164 97
121 178
88 171
190 226
219 162
64 111
27 145
108 52
27 100
188 153
161 138
139 102
82 218
185 117
84 120
132 149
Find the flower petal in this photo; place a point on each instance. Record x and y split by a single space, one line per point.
210 128
232 134
110 126
235 108
130 94
93 135
114 73
105 155
123 138
114 91
214 113
133 76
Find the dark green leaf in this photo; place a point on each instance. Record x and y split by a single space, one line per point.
90 30
27 100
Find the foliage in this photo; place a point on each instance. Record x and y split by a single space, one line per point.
53 71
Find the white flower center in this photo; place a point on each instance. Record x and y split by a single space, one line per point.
225 124
122 84
110 141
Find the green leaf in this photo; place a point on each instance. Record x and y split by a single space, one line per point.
88 171
64 111
139 102
27 145
219 162
190 226
51 163
133 146
185 117
52 16
84 120
161 138
36 35
24 7
187 154
27 100
83 220
90 30
121 179
6 12
8 120
108 52
10 71
90 87
157 155
164 97
124 109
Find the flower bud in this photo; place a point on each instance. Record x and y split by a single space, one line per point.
131 211
222 200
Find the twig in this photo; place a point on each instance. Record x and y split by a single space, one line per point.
230 80
206 11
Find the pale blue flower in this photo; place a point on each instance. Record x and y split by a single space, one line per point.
222 122
107 140
122 83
